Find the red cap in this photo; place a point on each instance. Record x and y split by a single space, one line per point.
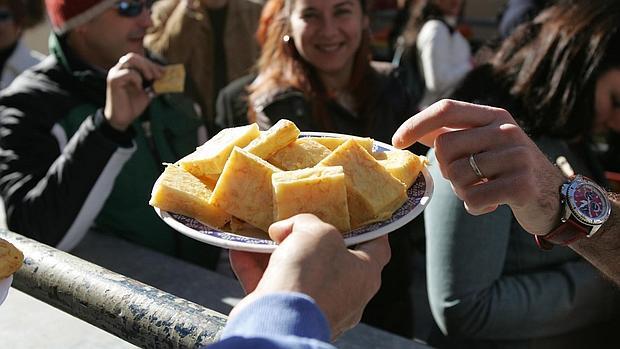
68 14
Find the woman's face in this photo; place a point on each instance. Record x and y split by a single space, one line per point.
607 101
327 34
450 7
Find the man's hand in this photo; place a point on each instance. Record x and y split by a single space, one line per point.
126 98
517 172
311 258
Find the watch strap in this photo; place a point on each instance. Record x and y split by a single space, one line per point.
566 233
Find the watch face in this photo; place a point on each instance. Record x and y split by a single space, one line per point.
588 202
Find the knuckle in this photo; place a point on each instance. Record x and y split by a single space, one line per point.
445 105
472 199
442 143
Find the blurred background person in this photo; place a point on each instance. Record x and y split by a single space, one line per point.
518 12
16 16
432 46
214 39
489 284
315 70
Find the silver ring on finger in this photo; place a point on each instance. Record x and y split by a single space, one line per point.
475 168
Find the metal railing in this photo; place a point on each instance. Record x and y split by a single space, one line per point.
133 311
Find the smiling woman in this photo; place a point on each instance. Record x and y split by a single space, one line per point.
315 70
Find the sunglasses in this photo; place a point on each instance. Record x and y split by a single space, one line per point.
132 8
5 15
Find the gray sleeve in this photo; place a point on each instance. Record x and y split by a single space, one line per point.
471 296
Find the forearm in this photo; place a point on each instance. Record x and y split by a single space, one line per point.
603 249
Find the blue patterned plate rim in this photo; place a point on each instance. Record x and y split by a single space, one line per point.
419 195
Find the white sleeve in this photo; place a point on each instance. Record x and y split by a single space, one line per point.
436 50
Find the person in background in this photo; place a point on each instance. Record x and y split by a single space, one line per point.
16 16
315 70
439 50
510 291
83 141
518 12
214 39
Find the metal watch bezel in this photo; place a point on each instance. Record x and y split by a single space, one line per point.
568 192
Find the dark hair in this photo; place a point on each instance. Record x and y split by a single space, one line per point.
551 65
26 13
281 67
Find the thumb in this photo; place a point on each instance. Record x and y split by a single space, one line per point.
279 231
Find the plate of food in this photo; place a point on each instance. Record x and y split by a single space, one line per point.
233 187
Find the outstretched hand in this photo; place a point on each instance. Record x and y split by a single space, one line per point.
514 171
311 258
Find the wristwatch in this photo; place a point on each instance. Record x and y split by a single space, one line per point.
585 208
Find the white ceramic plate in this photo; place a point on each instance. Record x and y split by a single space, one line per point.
419 195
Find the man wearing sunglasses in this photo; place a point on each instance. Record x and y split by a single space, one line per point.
83 141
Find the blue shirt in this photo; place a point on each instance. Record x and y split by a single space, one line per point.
280 320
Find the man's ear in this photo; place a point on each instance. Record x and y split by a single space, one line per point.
366 22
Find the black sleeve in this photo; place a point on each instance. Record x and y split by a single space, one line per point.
53 189
231 109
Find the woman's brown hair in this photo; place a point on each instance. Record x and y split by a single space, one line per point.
281 67
552 64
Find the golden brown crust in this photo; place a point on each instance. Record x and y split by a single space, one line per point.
11 259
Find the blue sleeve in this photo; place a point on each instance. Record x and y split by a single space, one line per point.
277 321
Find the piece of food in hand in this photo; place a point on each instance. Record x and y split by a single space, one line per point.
302 153
321 191
11 259
173 80
402 164
332 143
373 194
209 159
274 139
244 189
180 192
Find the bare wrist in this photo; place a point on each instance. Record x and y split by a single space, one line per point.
119 126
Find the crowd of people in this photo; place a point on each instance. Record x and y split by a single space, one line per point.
521 144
